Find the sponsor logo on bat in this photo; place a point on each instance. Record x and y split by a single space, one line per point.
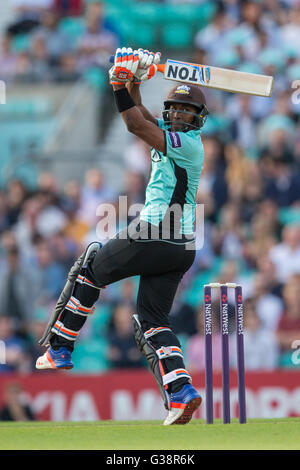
187 72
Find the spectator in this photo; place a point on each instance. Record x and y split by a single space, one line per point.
27 15
94 192
243 127
17 280
212 189
262 237
4 220
286 255
123 352
69 7
39 69
212 37
289 326
268 306
195 347
8 59
290 31
17 358
15 406
267 269
36 330
134 188
97 44
282 184
51 273
183 316
231 232
52 50
137 157
236 171
260 344
16 196
57 43
26 227
51 219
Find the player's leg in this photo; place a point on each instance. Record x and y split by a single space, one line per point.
73 307
120 258
162 348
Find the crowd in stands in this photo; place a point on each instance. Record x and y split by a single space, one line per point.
250 188
39 46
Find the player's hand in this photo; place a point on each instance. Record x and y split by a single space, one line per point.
147 65
125 66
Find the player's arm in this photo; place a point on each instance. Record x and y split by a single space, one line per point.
136 122
134 91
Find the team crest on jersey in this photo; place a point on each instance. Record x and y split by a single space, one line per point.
183 90
156 157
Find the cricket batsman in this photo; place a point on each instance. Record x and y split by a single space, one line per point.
159 246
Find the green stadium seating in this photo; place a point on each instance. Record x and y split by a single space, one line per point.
96 77
194 16
143 36
145 21
147 12
21 43
33 108
289 216
90 356
177 36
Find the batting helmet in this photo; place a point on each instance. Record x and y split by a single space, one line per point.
187 94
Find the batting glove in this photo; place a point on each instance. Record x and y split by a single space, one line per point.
147 66
126 64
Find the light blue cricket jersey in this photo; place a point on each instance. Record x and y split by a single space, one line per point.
174 180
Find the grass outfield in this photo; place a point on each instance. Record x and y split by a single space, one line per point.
257 434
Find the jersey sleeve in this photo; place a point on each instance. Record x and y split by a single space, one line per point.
183 149
161 123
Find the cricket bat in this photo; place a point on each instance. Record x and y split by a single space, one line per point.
216 77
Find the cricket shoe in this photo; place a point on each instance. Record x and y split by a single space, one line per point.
182 405
60 359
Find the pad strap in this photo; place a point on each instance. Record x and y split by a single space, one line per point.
176 374
76 307
84 280
169 351
155 331
59 329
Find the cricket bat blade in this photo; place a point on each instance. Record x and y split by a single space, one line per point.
229 80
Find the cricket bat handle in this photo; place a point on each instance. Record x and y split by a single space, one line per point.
160 67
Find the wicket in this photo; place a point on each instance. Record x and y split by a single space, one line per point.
224 321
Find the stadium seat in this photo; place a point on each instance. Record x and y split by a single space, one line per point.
193 16
90 356
16 108
21 43
147 12
143 36
96 77
177 36
289 216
